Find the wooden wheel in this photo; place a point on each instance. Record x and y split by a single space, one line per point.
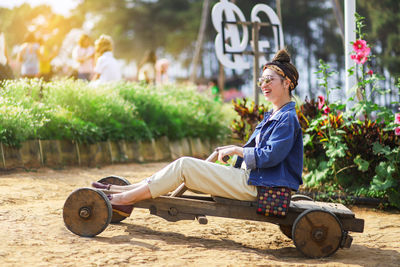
286 230
317 233
87 212
297 197
115 180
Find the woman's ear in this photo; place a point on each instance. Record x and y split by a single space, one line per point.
287 83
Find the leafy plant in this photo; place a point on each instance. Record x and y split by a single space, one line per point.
249 117
346 150
355 150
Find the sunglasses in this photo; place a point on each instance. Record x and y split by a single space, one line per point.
266 79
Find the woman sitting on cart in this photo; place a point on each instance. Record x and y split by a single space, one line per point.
272 157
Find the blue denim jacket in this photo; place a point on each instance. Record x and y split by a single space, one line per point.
278 159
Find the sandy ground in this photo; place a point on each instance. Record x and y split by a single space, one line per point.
32 232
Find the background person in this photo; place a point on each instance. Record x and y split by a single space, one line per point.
29 57
83 54
6 72
146 68
272 157
107 68
214 90
45 57
162 66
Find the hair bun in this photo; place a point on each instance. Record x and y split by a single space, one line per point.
282 56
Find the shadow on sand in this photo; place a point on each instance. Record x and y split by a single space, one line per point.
287 254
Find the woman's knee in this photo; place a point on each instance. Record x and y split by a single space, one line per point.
186 163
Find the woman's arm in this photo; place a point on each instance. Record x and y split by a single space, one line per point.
274 150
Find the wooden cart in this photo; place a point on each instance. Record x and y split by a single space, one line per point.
318 229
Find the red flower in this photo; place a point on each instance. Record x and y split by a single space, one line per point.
362 51
327 110
370 72
359 45
397 130
321 102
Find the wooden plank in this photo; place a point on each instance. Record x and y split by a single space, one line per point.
201 197
336 208
352 224
211 208
296 206
179 191
190 207
228 201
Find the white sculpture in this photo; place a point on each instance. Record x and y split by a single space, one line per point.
236 40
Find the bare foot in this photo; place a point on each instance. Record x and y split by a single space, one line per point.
124 188
120 199
139 193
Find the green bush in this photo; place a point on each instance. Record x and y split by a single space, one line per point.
107 115
73 110
353 150
360 157
175 111
16 123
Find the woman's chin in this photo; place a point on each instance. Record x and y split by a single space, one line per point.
267 96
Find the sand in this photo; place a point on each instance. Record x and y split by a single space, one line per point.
32 231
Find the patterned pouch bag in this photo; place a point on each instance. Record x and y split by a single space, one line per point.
273 201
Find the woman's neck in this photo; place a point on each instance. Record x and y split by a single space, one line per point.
279 104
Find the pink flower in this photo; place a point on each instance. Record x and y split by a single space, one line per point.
370 72
366 52
397 118
361 50
321 102
359 58
397 130
359 46
327 110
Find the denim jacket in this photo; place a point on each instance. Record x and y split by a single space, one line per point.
278 158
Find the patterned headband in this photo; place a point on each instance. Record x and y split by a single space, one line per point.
274 66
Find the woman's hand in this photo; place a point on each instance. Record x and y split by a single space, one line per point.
228 151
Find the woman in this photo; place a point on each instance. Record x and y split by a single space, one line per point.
83 54
146 68
29 57
107 68
161 67
273 155
45 58
6 72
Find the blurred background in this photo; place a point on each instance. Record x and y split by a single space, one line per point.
313 30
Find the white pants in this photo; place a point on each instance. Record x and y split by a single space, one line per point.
203 176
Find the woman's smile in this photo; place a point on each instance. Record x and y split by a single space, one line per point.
266 91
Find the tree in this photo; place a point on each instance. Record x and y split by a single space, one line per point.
168 25
16 22
383 30
200 39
